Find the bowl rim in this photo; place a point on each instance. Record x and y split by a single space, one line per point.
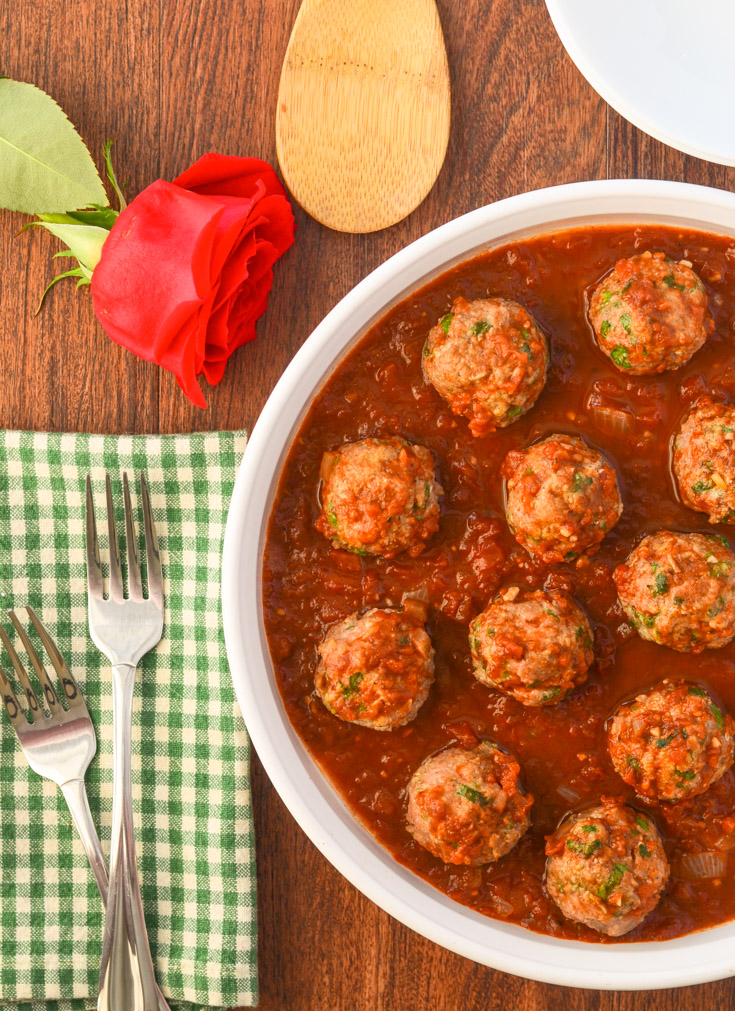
695 958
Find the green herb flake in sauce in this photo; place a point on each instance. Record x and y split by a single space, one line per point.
717 607
589 828
644 850
717 713
353 685
586 849
642 823
625 322
633 763
480 327
649 620
701 487
553 614
605 328
626 286
614 879
664 742
512 412
619 355
718 570
661 585
473 795
570 556
447 321
695 690
426 353
581 481
332 515
670 282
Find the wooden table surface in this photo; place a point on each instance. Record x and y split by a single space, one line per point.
170 81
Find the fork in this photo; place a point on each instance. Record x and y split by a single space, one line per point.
58 746
124 629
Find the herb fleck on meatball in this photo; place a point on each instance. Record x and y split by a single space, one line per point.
606 867
379 497
488 360
563 497
679 590
650 314
467 807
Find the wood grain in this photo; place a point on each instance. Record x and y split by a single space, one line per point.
362 113
170 81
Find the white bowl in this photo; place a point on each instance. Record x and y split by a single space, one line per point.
666 65
697 958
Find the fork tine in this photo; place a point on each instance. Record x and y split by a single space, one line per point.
116 583
33 704
16 714
72 692
52 699
152 553
95 584
135 586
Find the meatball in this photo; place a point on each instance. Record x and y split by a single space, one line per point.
679 590
704 460
379 497
488 360
650 314
606 867
467 807
671 742
563 497
535 646
376 670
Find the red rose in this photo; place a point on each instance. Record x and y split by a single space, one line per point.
186 269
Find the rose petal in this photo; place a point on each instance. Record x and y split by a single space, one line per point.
229 175
186 270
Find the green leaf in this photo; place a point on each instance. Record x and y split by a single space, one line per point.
103 217
44 164
76 272
112 177
84 241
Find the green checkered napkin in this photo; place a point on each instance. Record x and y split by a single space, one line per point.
190 750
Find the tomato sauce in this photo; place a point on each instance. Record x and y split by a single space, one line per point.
377 390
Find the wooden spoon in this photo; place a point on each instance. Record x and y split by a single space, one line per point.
363 110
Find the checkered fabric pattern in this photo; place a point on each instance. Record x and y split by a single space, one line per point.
190 749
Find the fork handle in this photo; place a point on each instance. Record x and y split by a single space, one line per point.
76 798
75 795
127 982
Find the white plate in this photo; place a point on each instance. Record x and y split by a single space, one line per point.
697 958
666 65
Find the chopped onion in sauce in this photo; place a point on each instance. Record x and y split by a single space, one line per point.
703 865
569 794
612 420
